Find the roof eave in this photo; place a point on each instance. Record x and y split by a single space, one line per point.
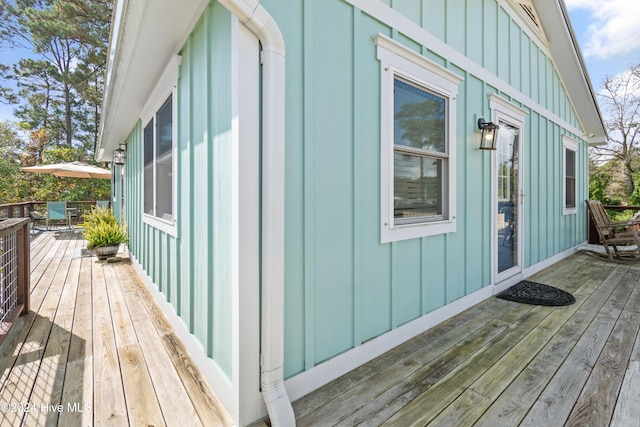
145 35
571 67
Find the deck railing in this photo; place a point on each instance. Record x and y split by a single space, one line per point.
15 272
24 209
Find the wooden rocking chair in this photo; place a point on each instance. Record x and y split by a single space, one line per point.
614 234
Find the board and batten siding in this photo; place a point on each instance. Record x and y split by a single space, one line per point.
193 268
342 287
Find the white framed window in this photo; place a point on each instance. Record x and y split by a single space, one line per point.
158 163
159 142
418 109
570 170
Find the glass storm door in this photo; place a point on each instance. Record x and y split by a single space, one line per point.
507 169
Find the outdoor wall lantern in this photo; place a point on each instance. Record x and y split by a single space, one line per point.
119 155
489 134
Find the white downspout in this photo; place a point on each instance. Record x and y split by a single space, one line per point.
258 21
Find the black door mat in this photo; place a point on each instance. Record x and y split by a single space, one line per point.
537 294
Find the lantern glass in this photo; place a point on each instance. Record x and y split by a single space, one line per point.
118 156
489 135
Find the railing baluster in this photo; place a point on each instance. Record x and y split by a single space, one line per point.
15 272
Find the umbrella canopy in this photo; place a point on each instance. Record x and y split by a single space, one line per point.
73 169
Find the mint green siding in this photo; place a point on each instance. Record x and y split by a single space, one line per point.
192 269
342 287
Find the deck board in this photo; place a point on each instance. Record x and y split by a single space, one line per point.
93 350
526 365
96 341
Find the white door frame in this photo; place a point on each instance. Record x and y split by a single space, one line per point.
504 111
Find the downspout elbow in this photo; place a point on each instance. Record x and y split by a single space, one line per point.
276 398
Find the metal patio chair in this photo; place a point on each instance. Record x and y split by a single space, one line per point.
57 211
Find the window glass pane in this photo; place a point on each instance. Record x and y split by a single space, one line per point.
571 163
419 118
570 193
417 184
570 179
164 160
148 169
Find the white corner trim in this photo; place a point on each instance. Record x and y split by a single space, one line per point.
256 18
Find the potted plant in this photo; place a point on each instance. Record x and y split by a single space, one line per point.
103 233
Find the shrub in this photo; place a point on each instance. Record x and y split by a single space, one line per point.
101 228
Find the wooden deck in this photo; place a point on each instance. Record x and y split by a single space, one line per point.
506 364
95 349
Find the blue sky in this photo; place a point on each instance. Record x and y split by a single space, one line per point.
608 32
9 56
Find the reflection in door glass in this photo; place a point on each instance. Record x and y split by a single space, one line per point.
507 169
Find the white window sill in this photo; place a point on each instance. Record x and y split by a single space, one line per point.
168 227
416 231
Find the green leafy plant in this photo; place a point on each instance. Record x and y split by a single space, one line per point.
101 228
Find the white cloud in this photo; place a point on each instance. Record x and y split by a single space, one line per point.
614 29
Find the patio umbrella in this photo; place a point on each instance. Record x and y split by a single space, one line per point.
73 169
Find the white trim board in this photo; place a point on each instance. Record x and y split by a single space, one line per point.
394 19
220 384
571 144
308 381
535 268
326 372
245 247
397 61
503 110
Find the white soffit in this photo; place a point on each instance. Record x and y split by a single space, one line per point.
570 64
148 34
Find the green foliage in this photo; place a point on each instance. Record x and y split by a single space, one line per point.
598 184
607 183
634 198
421 124
620 216
24 186
101 228
620 104
57 92
99 214
59 88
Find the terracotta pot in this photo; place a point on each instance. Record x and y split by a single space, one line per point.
105 252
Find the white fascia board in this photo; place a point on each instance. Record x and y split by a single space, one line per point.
393 18
147 35
570 64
